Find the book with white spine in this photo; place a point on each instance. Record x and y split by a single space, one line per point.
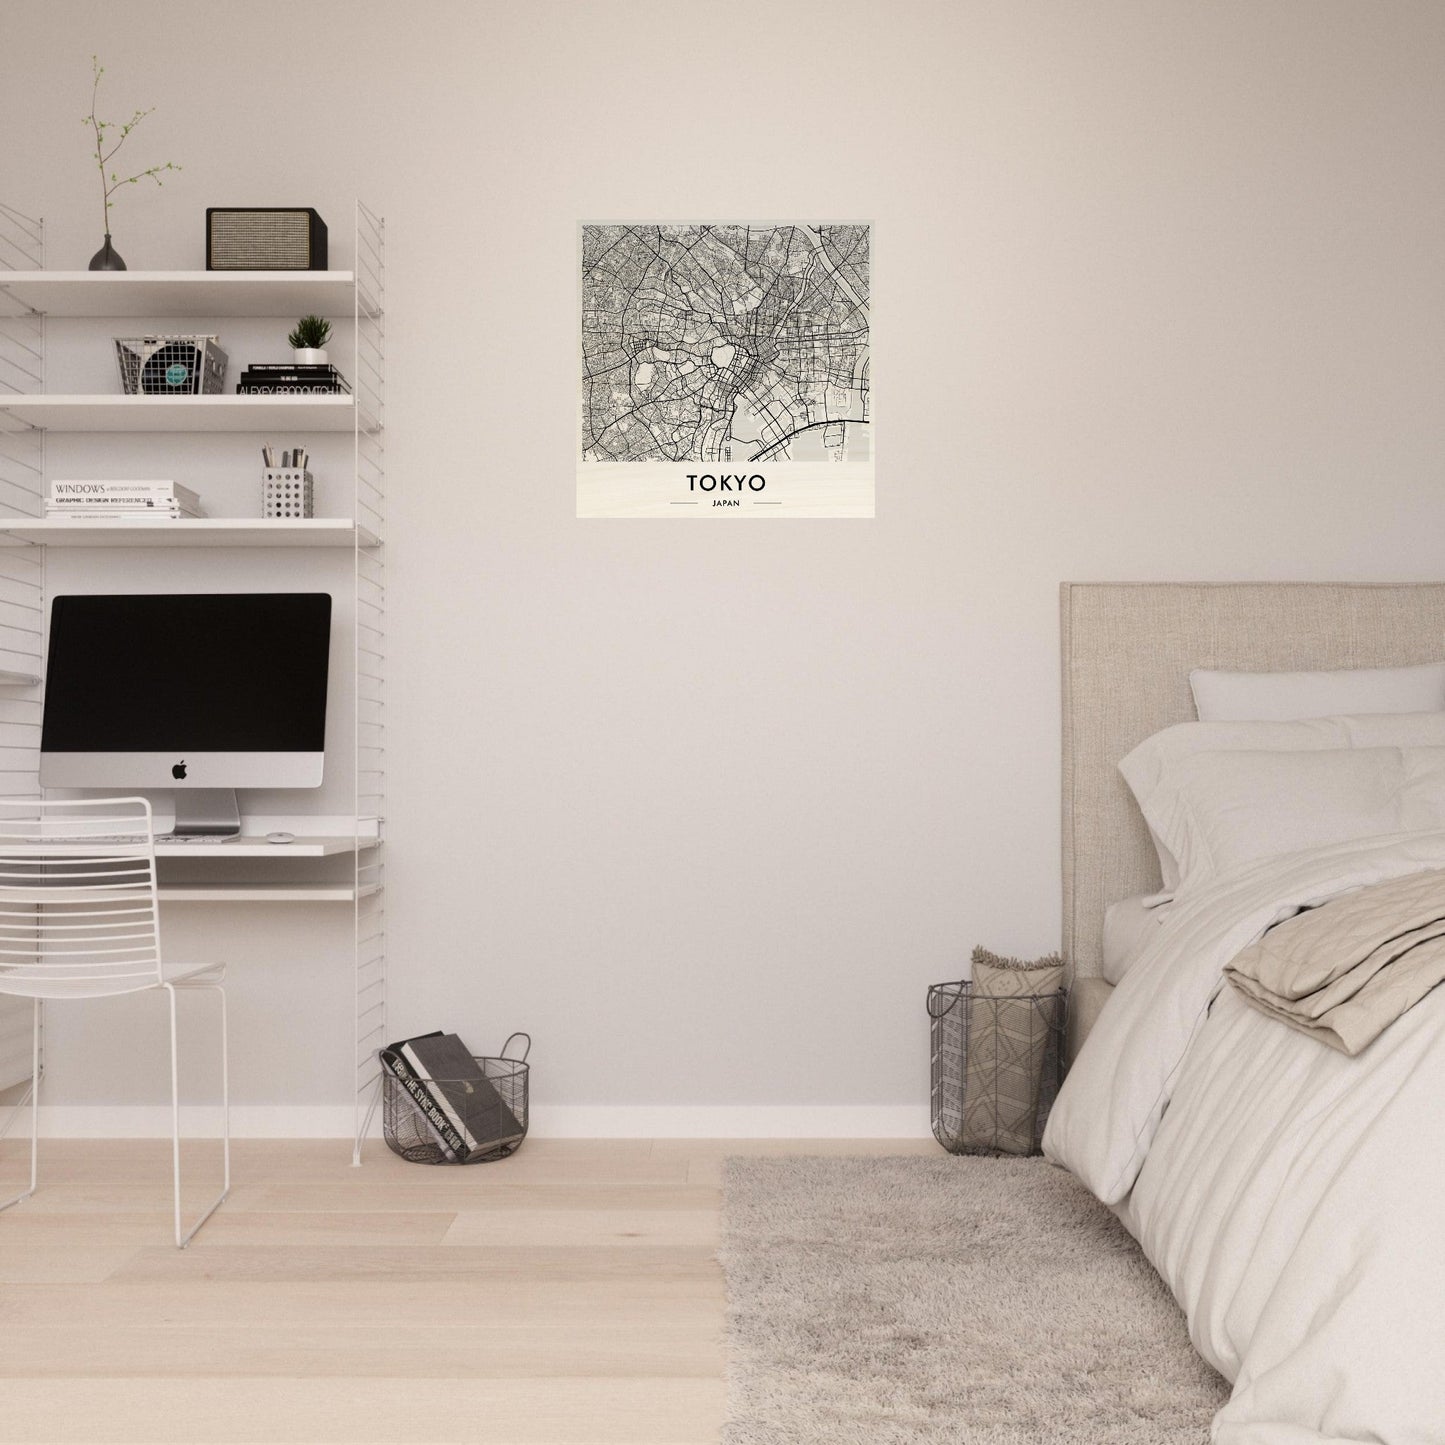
119 514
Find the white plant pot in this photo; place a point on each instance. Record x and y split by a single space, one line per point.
310 356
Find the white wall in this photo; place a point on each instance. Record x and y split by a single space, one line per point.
1158 294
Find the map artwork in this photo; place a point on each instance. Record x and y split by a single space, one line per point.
725 370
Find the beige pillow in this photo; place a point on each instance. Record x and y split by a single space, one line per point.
1008 1038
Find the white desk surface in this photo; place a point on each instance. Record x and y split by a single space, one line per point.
253 846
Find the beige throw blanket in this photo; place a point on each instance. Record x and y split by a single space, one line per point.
1344 972
1008 1040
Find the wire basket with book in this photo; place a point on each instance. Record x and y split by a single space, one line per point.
442 1104
170 365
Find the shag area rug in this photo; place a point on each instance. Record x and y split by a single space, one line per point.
972 1301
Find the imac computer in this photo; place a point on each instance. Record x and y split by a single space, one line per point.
198 694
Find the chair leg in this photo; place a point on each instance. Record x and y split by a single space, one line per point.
34 1110
184 1236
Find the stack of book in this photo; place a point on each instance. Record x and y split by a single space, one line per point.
462 1108
290 379
90 500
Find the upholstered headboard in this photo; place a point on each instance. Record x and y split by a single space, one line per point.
1127 651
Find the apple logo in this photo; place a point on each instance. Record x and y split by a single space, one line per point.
179 771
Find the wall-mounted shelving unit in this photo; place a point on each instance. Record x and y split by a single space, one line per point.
30 296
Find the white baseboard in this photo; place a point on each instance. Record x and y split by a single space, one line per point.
732 1121
556 1121
153 1121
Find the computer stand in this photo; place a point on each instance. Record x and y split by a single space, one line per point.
207 813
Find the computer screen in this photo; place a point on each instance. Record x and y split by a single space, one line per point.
178 690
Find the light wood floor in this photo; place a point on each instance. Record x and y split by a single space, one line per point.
569 1294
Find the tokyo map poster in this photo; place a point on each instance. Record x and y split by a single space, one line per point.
724 370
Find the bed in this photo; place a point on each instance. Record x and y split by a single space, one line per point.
1292 1198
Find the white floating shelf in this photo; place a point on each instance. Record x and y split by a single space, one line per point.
248 846
190 532
227 850
183 293
259 892
182 413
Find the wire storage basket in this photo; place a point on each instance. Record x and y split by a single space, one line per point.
420 1116
997 1064
170 365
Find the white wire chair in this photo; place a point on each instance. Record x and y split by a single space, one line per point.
79 919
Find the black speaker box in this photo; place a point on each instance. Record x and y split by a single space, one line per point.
290 238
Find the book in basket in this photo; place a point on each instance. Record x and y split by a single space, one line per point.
448 1140
458 1100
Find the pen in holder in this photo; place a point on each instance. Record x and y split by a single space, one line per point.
286 492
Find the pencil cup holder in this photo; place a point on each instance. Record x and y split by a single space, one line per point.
420 1117
287 492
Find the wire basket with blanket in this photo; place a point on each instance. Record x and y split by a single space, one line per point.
997 1054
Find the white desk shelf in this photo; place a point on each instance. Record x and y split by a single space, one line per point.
34 420
286 294
262 892
222 413
189 532
249 847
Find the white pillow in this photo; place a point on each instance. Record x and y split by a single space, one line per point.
1145 767
1130 926
1217 812
1282 696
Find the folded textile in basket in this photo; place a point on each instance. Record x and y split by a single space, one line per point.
1008 1037
1345 971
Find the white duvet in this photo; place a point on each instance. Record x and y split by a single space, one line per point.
1292 1197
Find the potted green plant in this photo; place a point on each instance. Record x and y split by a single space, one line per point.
308 340
107 258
